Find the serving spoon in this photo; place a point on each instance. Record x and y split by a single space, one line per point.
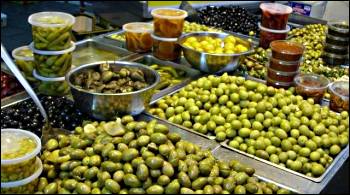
47 131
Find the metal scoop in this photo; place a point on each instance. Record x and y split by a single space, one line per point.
47 131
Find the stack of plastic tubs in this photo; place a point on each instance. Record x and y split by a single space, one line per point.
284 63
52 47
168 26
273 24
336 49
20 166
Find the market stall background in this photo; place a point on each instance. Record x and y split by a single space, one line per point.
13 37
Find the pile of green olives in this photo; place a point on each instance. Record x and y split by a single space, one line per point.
137 157
273 124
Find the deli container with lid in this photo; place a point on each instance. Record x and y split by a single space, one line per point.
285 66
335 49
52 86
275 15
286 50
339 41
138 36
51 30
168 22
53 63
339 91
24 59
166 48
278 84
338 28
269 35
19 149
281 76
335 59
27 185
311 86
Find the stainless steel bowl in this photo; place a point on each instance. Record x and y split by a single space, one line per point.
107 106
212 63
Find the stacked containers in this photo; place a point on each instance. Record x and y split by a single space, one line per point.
284 63
273 23
336 49
138 36
52 47
20 166
24 59
168 26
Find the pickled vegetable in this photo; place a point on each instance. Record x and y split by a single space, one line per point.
106 80
166 48
24 59
168 23
138 36
53 65
28 188
55 88
339 100
169 76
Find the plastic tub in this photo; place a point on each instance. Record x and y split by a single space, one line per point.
286 50
25 186
339 91
52 86
24 59
51 30
339 41
168 22
339 50
311 86
339 28
166 48
138 36
53 63
278 84
285 66
18 152
269 35
334 59
275 15
281 76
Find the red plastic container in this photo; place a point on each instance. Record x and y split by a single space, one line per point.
286 77
269 35
275 15
287 50
285 66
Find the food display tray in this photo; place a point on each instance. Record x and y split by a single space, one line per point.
115 41
149 60
331 170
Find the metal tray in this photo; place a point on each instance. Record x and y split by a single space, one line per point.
114 41
149 60
108 52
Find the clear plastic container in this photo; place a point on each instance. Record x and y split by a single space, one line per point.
53 63
168 22
24 59
281 76
339 50
51 30
166 48
339 41
285 66
52 86
27 185
311 86
335 59
138 36
339 91
269 35
18 154
287 50
275 15
278 84
338 28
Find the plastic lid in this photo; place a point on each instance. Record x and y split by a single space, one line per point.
274 31
51 53
321 80
169 13
282 62
336 85
332 55
279 83
335 26
164 39
51 19
10 139
282 73
25 180
41 78
337 38
337 47
276 8
23 53
138 27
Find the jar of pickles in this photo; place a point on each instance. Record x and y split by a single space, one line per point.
27 185
53 63
18 154
24 59
138 36
168 22
52 86
166 48
51 30
339 91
